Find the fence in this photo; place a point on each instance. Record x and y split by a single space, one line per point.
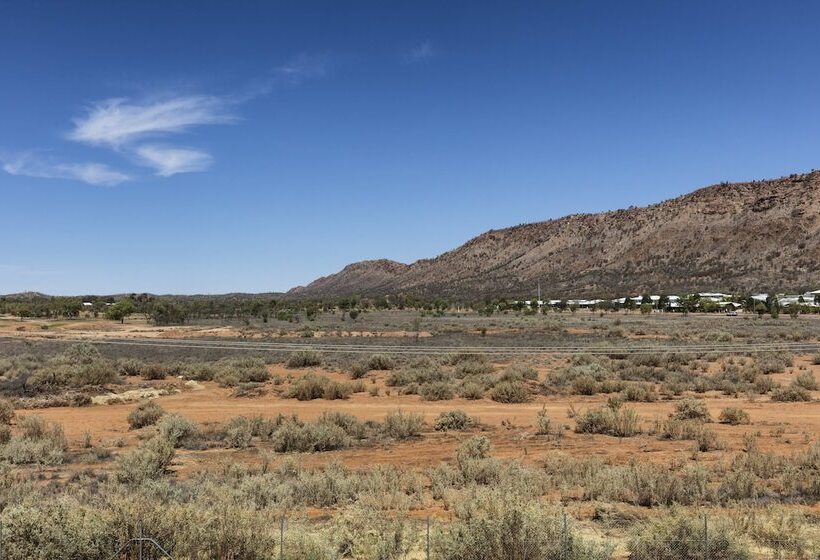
427 539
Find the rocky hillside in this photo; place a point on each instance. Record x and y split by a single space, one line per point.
737 237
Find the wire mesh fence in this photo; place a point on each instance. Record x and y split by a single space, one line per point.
698 538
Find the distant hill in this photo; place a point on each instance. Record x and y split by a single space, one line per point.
740 237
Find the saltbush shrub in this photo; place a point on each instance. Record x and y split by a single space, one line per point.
454 420
734 416
401 425
510 392
304 358
145 414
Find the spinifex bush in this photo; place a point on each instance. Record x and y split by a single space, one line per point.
145 414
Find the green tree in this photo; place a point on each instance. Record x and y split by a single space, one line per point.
120 310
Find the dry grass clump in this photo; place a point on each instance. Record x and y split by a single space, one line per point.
705 438
145 414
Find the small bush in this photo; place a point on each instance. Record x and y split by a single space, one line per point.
308 388
380 362
6 412
454 420
734 416
682 536
148 462
806 380
146 414
692 409
38 442
177 429
401 425
792 393
304 358
292 436
334 390
436 391
471 391
131 367
608 421
238 432
519 372
706 439
510 392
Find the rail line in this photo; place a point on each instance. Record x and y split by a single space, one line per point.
420 349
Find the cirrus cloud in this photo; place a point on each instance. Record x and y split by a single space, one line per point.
170 160
93 173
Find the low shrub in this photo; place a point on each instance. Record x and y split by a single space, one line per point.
620 422
37 443
454 420
239 432
293 436
510 392
734 416
806 380
436 391
307 388
380 362
146 414
177 430
684 536
706 438
304 358
401 425
471 391
792 393
335 390
692 409
6 412
148 462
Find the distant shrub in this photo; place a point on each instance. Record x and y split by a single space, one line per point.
130 367
763 384
6 412
304 358
177 429
585 385
620 422
359 370
806 380
145 414
148 462
734 416
792 393
380 362
307 388
640 392
293 436
335 390
816 359
471 391
773 363
154 372
346 421
454 420
238 432
38 442
706 439
692 409
683 536
436 391
510 392
519 372
401 425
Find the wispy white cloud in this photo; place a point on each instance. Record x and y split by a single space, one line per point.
92 173
169 160
303 67
420 52
116 122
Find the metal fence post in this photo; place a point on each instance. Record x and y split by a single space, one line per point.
564 538
282 538
705 537
428 538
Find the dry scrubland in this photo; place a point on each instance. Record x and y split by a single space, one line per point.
592 455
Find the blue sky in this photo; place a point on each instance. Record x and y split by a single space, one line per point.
207 147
